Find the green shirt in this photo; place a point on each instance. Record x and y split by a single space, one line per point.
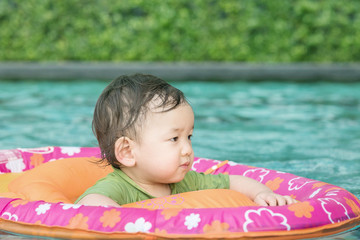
122 189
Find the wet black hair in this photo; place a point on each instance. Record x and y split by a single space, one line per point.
123 105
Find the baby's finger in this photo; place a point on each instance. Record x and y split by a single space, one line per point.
260 202
271 200
281 201
289 200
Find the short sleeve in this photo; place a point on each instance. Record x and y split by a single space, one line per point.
194 181
108 187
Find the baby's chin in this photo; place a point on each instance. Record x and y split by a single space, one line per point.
179 179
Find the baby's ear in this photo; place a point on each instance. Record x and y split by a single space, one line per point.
123 152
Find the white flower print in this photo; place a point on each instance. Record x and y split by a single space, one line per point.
259 173
67 206
12 217
140 225
266 214
231 163
298 182
42 208
192 221
70 150
332 207
15 166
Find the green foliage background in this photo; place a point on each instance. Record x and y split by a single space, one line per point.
180 30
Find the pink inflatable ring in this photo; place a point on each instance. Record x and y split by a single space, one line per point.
323 209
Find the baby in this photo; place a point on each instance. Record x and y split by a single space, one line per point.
144 128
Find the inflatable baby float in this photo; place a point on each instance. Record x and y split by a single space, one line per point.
38 187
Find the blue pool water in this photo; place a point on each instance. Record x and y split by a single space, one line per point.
309 129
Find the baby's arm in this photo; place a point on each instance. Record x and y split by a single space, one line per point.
258 192
98 200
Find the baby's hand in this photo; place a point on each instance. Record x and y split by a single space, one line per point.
267 198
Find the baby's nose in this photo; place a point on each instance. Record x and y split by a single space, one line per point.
187 149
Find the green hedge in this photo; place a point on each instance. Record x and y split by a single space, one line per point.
180 30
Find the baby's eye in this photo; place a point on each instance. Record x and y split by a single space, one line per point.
189 137
174 139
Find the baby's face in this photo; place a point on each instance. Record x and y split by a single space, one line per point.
164 153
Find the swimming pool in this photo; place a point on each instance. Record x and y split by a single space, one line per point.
309 129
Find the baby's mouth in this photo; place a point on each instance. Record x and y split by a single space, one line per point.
185 165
